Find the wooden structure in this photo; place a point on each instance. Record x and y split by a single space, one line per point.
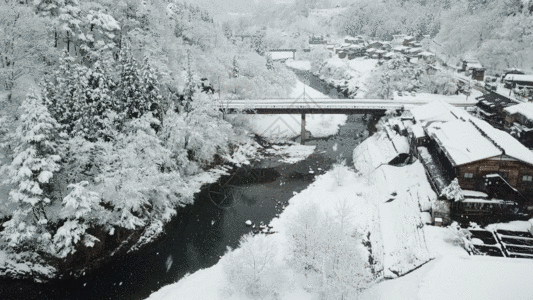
478 73
481 157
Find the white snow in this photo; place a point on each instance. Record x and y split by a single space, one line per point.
513 225
474 194
303 65
395 227
279 55
249 223
524 109
293 154
463 142
378 150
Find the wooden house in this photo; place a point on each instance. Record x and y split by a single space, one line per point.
481 157
375 45
478 73
427 57
408 40
490 108
519 122
342 53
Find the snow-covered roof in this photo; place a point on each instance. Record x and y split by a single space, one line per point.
418 131
433 111
462 142
466 138
504 140
474 194
377 150
524 109
400 48
519 77
425 53
474 65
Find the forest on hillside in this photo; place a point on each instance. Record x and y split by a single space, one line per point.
498 32
107 126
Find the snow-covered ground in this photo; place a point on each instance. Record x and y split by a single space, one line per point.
292 154
398 242
456 275
282 127
303 65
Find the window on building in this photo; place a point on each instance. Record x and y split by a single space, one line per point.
469 175
527 178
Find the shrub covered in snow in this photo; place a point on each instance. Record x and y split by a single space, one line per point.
453 191
252 270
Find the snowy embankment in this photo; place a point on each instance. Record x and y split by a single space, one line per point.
303 65
382 206
278 128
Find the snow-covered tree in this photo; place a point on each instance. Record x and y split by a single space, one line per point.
80 210
453 191
252 269
326 249
269 62
35 163
235 68
25 46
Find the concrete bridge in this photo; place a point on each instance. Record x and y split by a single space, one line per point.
307 105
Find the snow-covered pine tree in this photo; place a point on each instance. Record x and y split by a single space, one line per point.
269 62
80 210
65 92
453 191
191 85
100 103
150 91
235 68
36 160
129 88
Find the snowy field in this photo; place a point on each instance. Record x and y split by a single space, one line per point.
283 127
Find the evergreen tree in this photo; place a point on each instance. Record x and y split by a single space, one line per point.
191 86
269 62
235 68
81 210
150 91
130 85
35 163
93 123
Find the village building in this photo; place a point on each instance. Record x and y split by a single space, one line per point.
354 40
490 108
453 144
519 122
409 40
427 57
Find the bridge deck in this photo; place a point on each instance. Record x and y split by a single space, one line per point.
320 106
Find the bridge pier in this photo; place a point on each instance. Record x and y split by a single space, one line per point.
302 135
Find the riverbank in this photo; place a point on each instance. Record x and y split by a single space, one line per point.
362 202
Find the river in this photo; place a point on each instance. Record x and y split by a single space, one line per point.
201 233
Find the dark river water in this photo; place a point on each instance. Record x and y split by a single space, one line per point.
201 232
